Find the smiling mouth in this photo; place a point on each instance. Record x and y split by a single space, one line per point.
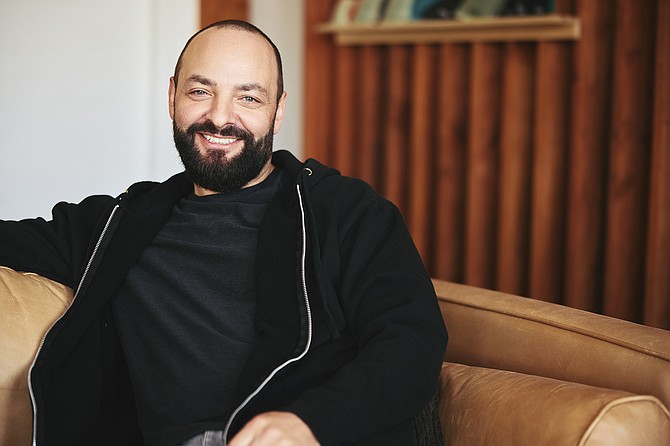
219 140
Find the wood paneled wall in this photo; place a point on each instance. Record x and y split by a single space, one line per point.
214 10
536 168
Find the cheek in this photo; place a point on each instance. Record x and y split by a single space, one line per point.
185 116
258 124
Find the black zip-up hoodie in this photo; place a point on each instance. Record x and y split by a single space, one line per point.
348 332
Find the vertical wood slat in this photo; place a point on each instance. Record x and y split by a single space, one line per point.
395 132
657 308
370 104
482 182
421 144
629 156
319 82
549 167
346 118
515 168
452 129
588 157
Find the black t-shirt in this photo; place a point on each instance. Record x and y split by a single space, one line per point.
185 312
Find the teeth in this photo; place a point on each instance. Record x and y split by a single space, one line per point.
215 140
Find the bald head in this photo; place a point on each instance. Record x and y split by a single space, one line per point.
239 26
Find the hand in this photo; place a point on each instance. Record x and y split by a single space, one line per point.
275 429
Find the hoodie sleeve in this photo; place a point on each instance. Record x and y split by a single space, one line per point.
54 248
390 306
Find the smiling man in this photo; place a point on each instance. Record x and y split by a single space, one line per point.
253 299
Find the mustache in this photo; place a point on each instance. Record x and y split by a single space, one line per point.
229 130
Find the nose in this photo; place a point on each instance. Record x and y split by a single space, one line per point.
221 112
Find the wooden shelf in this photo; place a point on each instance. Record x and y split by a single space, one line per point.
494 29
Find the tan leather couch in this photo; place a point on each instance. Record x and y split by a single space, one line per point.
526 372
518 371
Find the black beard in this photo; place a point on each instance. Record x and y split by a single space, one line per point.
213 170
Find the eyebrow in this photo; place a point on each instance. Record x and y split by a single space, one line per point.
201 80
252 87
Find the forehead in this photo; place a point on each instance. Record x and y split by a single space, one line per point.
225 53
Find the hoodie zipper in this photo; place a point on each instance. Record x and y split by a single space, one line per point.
83 277
303 256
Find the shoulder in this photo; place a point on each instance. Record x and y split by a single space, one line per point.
345 204
328 192
326 182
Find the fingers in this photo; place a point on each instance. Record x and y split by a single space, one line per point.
275 429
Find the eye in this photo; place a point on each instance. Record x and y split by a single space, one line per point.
198 93
250 102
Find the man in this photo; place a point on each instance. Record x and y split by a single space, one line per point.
251 300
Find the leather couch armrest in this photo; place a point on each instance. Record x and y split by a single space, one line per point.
480 406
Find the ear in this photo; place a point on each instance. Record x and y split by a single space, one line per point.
279 115
171 94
